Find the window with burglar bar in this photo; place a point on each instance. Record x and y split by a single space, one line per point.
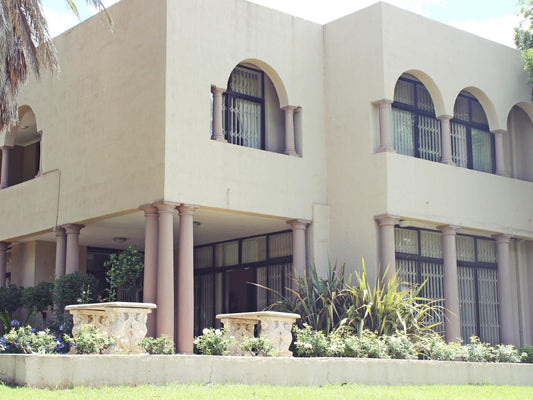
419 258
243 108
416 131
472 142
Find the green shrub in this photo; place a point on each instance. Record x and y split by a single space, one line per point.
258 347
10 301
386 308
28 341
310 342
160 345
433 347
212 342
527 353
38 298
318 301
477 351
74 288
506 354
125 273
89 340
399 346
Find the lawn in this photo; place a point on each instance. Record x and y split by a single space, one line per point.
234 392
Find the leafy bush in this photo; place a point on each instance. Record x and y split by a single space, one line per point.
26 340
38 298
310 342
386 308
160 345
319 301
433 347
10 301
258 346
399 346
73 289
506 354
527 353
125 273
212 342
89 340
365 345
477 351
326 304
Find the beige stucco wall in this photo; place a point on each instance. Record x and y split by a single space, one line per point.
104 130
233 177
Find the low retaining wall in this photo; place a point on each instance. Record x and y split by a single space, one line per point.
100 370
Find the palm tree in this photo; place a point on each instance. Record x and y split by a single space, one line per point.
25 48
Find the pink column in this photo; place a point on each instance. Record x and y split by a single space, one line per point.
446 139
3 262
165 269
151 231
498 148
185 303
290 148
505 291
61 252
72 263
218 131
387 251
4 173
452 314
385 130
298 227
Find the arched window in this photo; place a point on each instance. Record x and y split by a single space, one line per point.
244 108
415 130
472 142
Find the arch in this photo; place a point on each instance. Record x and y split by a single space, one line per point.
520 140
432 88
486 103
281 91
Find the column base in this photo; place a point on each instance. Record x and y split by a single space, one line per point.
292 153
386 149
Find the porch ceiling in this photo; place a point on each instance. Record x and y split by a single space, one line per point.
214 226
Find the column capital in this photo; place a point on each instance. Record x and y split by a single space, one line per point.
298 224
149 210
382 102
444 117
499 132
72 228
59 231
387 219
502 238
448 229
4 246
292 109
187 209
216 90
165 206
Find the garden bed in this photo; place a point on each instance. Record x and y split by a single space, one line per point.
100 370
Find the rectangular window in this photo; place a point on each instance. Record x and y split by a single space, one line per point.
419 258
223 272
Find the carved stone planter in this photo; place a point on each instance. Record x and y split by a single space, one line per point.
124 322
276 326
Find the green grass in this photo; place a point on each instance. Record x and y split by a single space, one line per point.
235 392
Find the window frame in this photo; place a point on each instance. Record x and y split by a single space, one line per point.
469 125
416 112
229 94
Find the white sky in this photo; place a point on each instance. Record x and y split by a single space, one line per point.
492 19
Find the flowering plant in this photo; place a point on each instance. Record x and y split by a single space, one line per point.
27 340
213 342
90 340
160 345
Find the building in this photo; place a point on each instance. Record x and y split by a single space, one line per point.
230 142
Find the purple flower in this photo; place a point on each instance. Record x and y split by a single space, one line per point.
15 322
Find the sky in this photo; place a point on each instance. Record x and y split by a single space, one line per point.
491 19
